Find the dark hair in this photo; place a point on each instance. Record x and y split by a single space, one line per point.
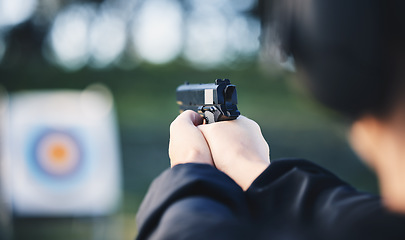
350 50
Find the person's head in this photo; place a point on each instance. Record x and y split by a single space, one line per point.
351 55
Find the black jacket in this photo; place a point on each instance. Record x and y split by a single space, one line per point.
291 199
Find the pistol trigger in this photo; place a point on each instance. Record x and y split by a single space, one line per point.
200 110
204 109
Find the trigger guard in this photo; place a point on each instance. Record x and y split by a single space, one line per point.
209 117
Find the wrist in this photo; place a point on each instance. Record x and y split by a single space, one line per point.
192 156
245 172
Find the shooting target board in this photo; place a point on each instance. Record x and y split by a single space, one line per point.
61 153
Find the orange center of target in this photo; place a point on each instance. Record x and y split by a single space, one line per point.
58 154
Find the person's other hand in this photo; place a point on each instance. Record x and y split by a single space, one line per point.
238 148
187 143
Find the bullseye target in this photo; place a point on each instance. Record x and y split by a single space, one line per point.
61 155
57 154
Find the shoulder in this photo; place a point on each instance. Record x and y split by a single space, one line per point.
305 198
295 171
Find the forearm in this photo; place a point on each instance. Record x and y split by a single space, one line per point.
190 197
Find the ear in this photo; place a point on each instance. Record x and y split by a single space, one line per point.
381 144
365 135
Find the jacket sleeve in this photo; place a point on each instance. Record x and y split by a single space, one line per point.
193 201
299 198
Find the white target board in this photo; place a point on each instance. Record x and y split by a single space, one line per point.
61 153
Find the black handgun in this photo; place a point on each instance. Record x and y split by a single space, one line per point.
215 101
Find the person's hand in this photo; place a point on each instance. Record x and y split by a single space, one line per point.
238 149
187 143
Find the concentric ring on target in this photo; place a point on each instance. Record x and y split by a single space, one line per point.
57 154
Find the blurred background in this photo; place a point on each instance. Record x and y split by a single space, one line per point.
136 52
